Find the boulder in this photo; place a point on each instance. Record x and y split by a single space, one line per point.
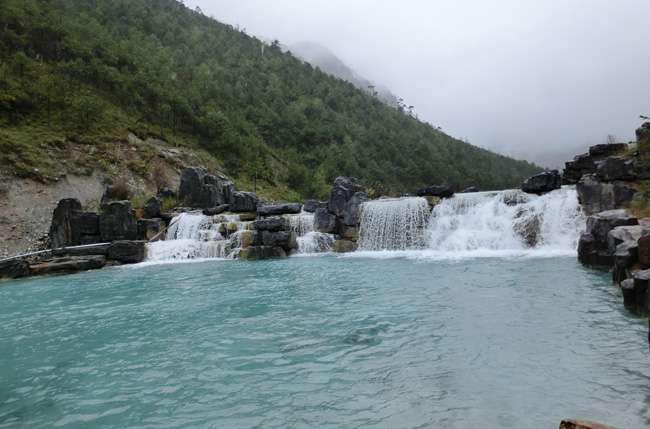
61 229
625 257
311 206
284 239
255 253
213 211
601 223
243 202
607 149
591 253
440 191
644 250
352 208
527 224
344 246
117 222
596 196
344 188
278 209
542 183
14 268
271 224
67 264
582 424
350 233
324 221
615 168
574 170
635 293
85 228
148 229
514 197
152 208
127 252
198 189
624 234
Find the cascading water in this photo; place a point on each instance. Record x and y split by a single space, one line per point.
508 222
393 224
196 236
308 240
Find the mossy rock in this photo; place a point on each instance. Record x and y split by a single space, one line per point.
344 246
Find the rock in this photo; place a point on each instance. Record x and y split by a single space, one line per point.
625 257
311 206
14 269
284 239
117 222
68 264
601 223
574 170
615 168
127 252
542 183
624 234
324 221
440 191
590 253
115 193
247 216
61 229
216 210
148 229
278 209
243 202
152 208
352 208
255 253
199 189
644 250
344 246
350 233
166 193
608 149
247 239
469 189
85 228
514 197
596 196
344 188
635 296
527 225
271 224
95 249
582 424
432 201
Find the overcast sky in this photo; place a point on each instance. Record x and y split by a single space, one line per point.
536 79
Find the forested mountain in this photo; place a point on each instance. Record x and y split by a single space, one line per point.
91 70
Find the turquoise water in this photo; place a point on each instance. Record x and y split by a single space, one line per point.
323 342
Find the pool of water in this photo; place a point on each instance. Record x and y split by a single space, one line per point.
323 342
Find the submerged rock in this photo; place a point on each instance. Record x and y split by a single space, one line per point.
582 424
542 183
14 269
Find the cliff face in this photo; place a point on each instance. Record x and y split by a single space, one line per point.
613 189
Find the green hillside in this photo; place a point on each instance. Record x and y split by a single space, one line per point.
90 71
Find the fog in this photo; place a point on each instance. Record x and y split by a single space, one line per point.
538 80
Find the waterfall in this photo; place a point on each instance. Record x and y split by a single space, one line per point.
493 223
393 224
196 236
308 240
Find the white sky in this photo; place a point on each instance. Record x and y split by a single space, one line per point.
537 79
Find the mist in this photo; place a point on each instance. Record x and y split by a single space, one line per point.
536 80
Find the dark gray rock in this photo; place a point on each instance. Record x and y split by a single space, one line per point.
67 264
117 222
591 252
254 253
352 209
91 250
14 269
127 252
216 210
164 193
311 206
243 202
85 228
324 221
149 229
574 170
198 189
62 228
596 196
440 191
624 234
278 209
284 239
152 208
615 168
625 257
608 149
542 183
600 224
644 250
635 295
271 224
344 188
